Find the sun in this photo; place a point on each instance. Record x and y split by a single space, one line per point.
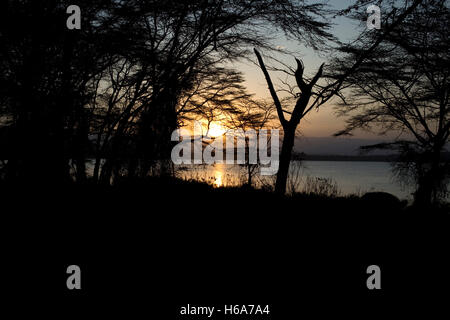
216 130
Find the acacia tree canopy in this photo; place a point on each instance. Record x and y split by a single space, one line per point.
403 86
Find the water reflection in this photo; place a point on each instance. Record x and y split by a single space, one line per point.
219 174
218 182
351 177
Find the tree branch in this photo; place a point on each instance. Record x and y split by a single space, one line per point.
271 89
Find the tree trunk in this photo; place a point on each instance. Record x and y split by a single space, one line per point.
155 131
297 114
95 175
285 159
430 182
424 192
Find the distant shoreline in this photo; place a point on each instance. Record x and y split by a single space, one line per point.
371 158
368 158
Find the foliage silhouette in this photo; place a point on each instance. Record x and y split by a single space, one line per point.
403 86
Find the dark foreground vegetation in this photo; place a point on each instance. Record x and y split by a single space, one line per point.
154 196
169 192
157 242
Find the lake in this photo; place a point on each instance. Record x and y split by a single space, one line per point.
351 177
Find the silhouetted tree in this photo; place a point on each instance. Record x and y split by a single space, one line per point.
180 39
117 106
403 86
320 94
45 69
253 115
290 126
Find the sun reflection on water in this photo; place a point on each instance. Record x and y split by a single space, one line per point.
218 176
